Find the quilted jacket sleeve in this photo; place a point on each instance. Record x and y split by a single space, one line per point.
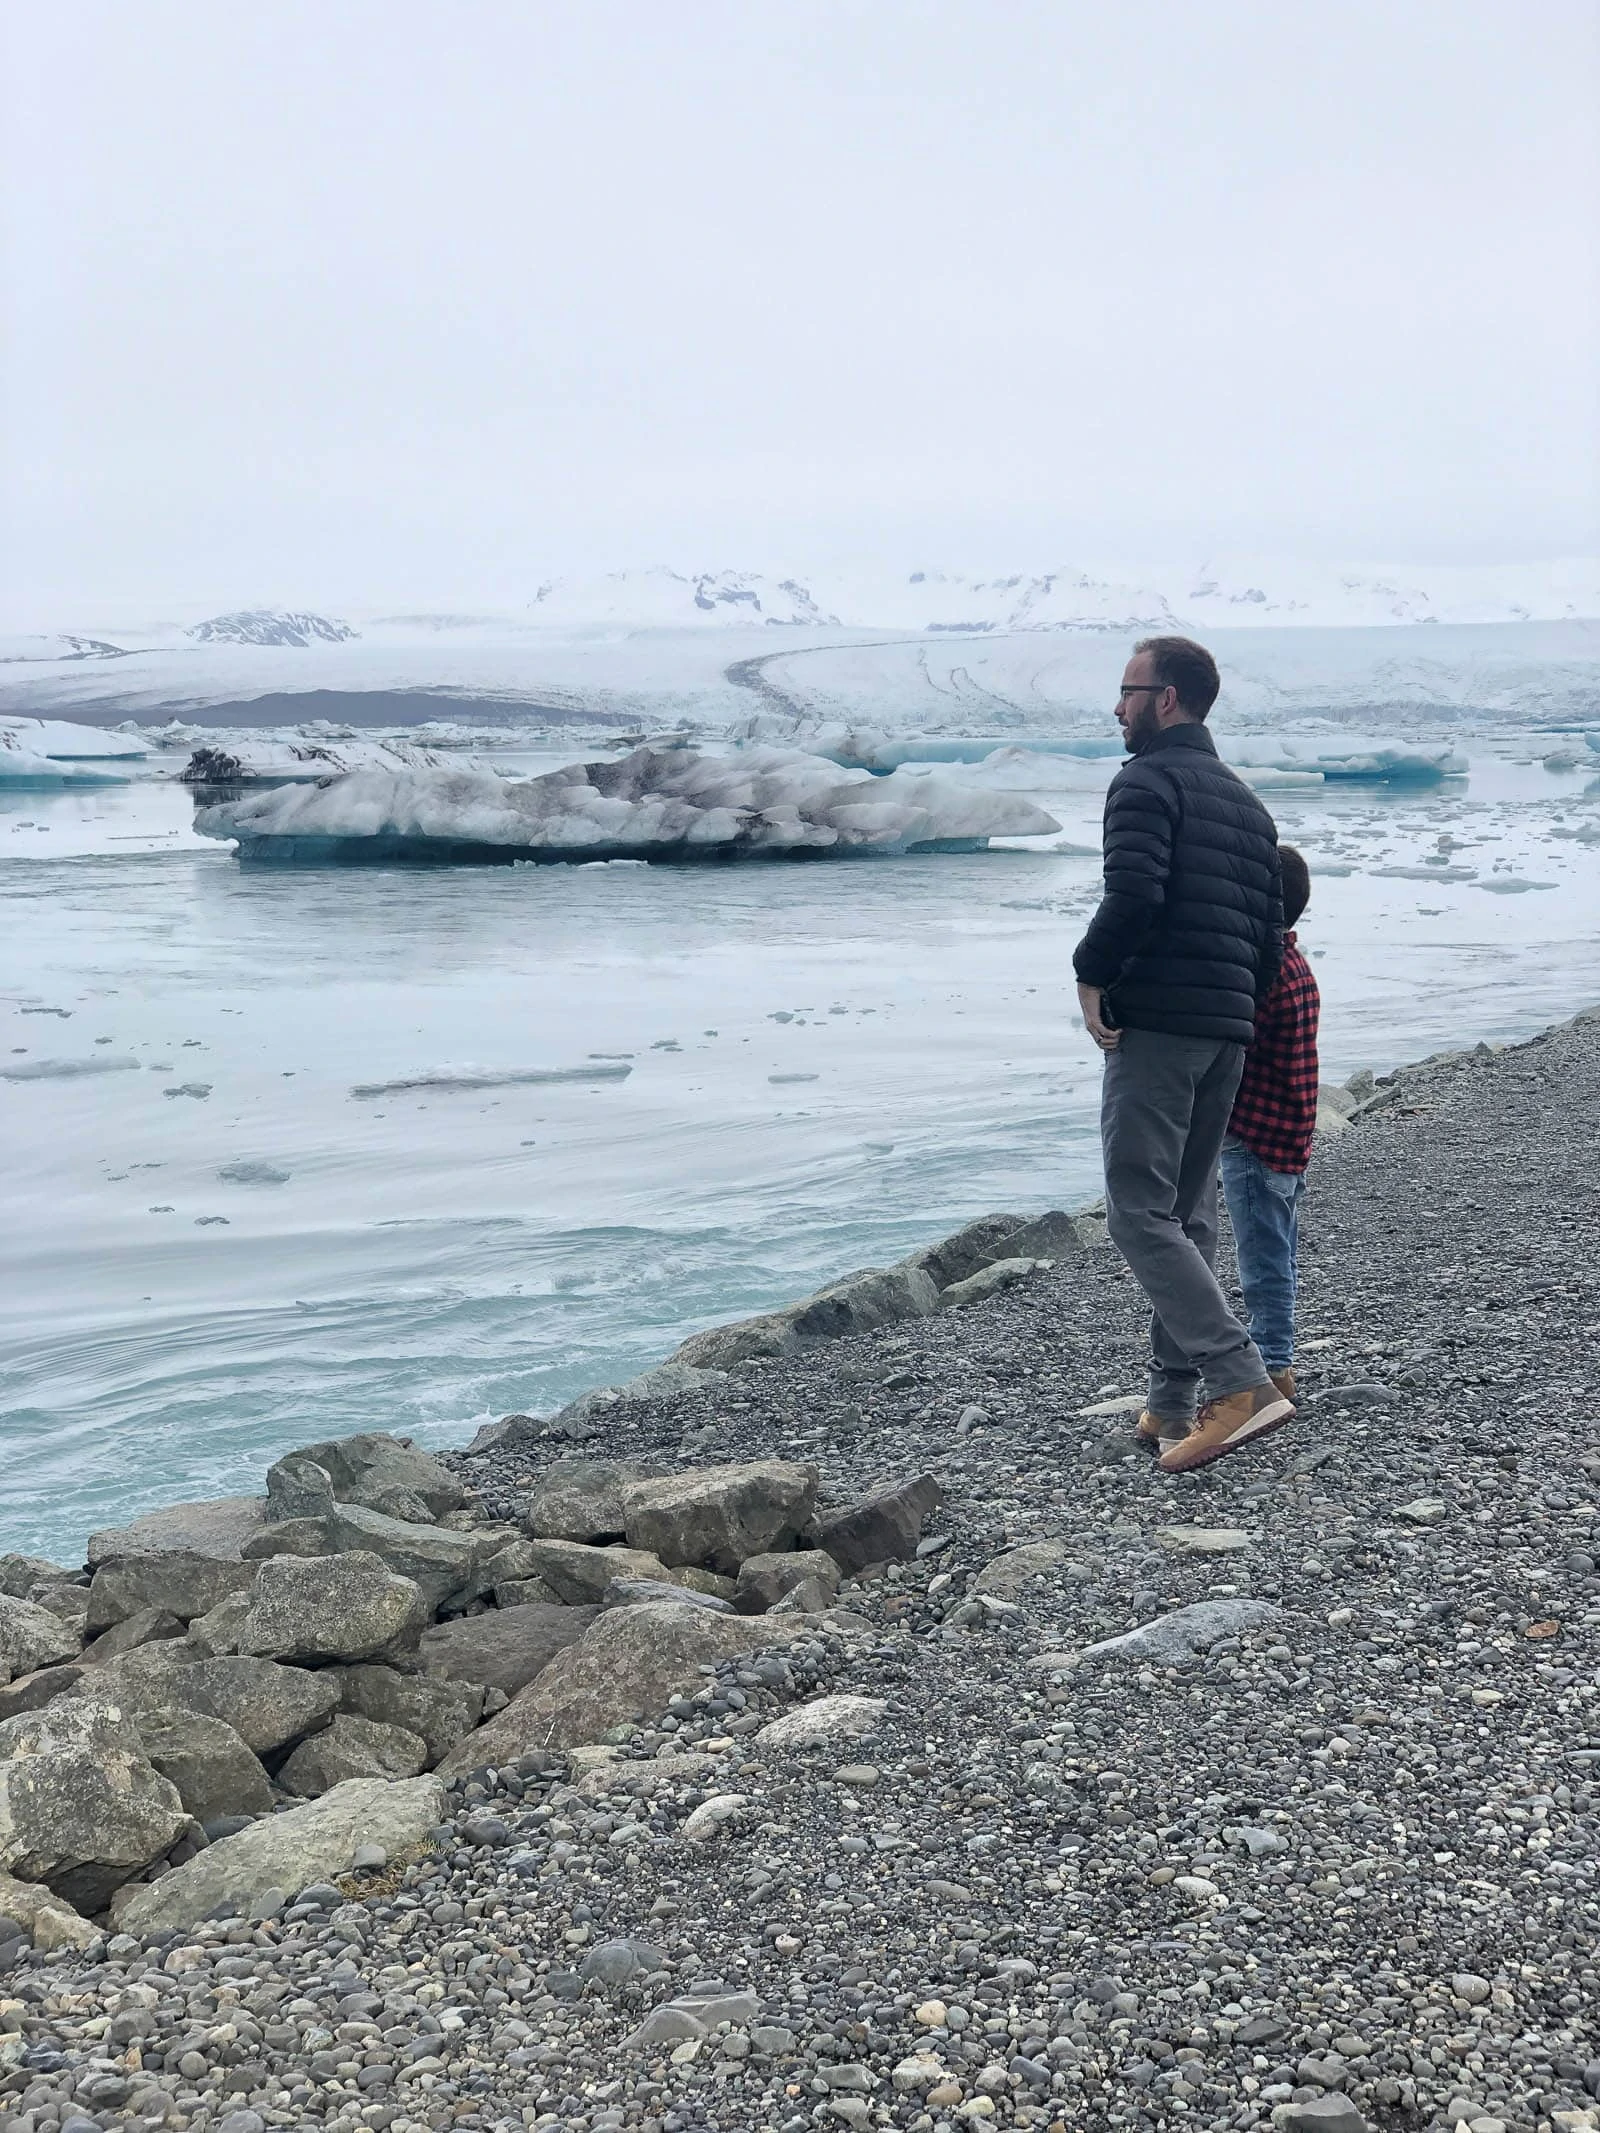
1140 819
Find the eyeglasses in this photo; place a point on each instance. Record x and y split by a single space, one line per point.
1141 688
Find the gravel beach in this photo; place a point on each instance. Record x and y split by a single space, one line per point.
1320 1854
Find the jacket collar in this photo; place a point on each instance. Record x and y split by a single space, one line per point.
1188 734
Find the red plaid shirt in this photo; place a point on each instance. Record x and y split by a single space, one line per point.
1275 1112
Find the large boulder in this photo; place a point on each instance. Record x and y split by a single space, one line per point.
956 1257
289 1851
579 1575
50 1921
504 1648
176 1581
882 1528
719 1515
380 1473
31 1637
216 1635
81 1808
213 1770
352 1747
764 1580
440 1710
860 1303
20 1573
625 1669
149 1626
217 1529
581 1499
266 1704
309 1609
447 1565
31 1692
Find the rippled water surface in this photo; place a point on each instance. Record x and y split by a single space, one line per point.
217 1250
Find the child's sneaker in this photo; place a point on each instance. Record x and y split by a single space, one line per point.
1225 1425
1153 1432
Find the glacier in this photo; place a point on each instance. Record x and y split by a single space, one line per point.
653 803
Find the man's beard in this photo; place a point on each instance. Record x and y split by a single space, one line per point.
1141 728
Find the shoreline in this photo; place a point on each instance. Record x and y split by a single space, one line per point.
1262 1797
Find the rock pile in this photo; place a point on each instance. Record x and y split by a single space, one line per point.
188 1727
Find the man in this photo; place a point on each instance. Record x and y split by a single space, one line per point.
1187 939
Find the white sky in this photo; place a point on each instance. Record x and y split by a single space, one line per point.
355 301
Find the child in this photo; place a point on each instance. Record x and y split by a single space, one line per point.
1268 1146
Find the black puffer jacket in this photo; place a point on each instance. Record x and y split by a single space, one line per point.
1189 933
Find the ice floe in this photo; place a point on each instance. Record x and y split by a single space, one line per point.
68 1069
60 741
452 1078
1345 755
674 804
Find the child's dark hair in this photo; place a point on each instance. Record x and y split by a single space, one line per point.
1296 883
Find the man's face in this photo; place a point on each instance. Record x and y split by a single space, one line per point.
1136 706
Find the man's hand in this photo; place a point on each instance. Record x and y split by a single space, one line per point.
1093 1003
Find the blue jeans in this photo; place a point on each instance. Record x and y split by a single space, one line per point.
1264 1208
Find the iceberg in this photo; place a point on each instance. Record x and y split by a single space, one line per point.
59 741
663 804
1345 755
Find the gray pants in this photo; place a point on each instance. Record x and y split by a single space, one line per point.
1163 1115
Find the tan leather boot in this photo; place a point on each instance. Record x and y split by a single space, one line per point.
1226 1425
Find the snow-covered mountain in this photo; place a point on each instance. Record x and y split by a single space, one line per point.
1216 595
271 626
671 599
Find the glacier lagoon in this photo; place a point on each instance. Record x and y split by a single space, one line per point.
641 1099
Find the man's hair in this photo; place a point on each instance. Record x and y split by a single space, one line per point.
1181 664
1296 882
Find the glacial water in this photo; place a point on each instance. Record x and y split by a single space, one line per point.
215 1250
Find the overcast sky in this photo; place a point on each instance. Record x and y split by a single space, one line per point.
357 301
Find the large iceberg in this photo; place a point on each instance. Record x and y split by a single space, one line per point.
24 761
57 740
664 804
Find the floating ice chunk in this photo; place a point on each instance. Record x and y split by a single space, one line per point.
1512 885
674 804
58 740
245 1173
506 1078
1421 873
1263 777
1345 755
22 764
68 1069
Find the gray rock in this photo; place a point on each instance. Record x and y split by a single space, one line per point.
289 1851
862 1302
149 1626
1186 1631
442 1711
627 1666
20 1573
580 1574
823 1722
345 1607
882 1528
352 1747
212 1769
720 1515
615 1963
81 1809
216 1635
581 1500
447 1565
634 1592
955 1258
31 1637
1043 1563
266 1704
1423 1511
502 1648
1324 2114
177 1581
988 1281
381 1473
1053 1235
576 1421
217 1529
1202 1540
812 1596
31 1692
764 1580
524 1592
297 1487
